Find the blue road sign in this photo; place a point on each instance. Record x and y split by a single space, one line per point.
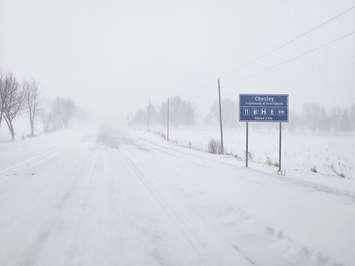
263 107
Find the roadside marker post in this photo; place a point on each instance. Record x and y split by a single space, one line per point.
220 116
263 108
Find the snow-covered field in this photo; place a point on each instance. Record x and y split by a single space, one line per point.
127 197
329 155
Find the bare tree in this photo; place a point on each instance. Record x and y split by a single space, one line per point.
229 114
68 111
46 119
61 113
182 112
12 100
2 96
31 94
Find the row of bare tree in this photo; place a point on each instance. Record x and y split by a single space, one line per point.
58 114
16 97
24 98
181 112
312 117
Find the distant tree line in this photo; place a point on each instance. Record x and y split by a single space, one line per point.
315 117
58 114
229 113
181 112
23 98
312 116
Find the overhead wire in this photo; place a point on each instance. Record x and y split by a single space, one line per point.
290 41
305 53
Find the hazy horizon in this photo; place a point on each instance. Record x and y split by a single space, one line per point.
111 57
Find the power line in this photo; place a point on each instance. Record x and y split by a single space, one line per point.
305 53
291 41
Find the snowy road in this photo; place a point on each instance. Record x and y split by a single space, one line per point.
124 198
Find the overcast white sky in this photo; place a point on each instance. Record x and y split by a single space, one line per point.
113 55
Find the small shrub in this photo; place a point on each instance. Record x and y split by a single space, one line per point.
338 173
214 147
270 162
239 158
314 169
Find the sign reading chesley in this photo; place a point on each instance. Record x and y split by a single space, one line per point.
263 107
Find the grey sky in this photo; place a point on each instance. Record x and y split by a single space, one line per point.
114 55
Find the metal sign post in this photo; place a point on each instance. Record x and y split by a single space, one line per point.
246 144
280 128
263 108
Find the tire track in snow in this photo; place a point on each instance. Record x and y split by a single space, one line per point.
164 149
76 251
235 247
121 203
29 163
43 236
241 253
35 201
182 222
165 208
64 199
36 158
115 194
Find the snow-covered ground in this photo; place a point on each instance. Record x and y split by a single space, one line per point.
329 155
125 197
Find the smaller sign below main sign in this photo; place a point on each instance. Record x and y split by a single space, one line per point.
263 107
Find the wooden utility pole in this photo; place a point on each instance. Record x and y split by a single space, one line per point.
148 115
220 115
167 120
